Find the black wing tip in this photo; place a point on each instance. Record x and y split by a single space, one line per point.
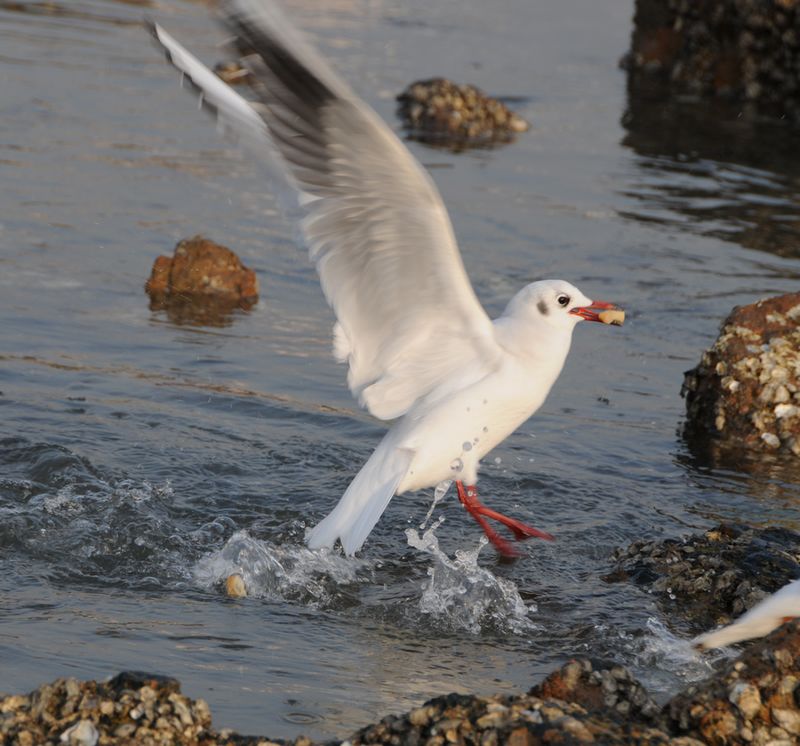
152 27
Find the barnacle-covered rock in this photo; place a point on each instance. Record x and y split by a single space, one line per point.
711 578
610 688
754 699
746 50
132 708
440 112
746 389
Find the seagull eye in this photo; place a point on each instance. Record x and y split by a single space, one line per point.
563 300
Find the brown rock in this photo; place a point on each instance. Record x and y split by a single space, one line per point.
202 282
520 737
746 389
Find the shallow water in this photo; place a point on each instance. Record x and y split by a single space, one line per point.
143 460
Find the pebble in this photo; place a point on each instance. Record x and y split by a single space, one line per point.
746 698
83 733
235 587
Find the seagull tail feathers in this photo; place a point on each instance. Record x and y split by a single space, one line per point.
364 500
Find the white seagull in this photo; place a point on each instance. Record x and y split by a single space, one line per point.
764 617
420 348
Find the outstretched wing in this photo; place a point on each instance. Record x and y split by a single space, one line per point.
376 227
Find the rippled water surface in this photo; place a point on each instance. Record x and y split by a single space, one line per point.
142 461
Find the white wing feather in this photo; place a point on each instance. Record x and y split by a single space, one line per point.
759 621
377 229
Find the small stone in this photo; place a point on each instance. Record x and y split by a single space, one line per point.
520 737
789 720
13 703
235 587
747 699
490 720
181 709
83 733
576 729
419 717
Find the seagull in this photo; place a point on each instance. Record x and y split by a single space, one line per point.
421 350
764 617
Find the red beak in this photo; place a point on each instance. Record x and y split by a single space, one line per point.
599 310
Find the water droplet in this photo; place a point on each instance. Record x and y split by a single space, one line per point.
438 495
457 464
466 445
498 460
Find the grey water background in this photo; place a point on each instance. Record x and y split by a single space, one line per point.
142 460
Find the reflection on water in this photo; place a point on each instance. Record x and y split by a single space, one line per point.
706 169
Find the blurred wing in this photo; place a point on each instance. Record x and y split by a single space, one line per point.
376 227
764 617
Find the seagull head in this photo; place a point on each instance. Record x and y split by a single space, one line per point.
558 304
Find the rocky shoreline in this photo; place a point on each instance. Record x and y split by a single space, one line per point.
754 699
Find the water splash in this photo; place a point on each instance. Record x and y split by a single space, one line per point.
666 651
461 595
320 578
438 496
661 660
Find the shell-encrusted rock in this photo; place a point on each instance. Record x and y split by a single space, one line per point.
750 701
746 389
745 702
747 51
440 112
712 577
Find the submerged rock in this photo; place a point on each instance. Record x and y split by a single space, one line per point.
713 577
746 389
746 50
440 112
202 282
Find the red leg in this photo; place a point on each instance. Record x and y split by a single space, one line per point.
469 499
